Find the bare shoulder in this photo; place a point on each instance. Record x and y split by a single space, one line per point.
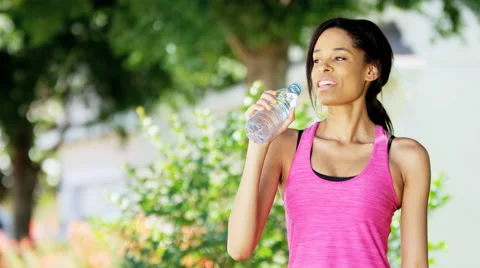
409 150
289 134
285 141
410 156
278 151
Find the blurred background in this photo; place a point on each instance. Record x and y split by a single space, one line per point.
121 122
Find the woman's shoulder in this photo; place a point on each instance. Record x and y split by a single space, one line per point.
409 155
291 134
286 142
288 136
408 147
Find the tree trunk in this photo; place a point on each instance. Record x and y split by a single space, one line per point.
25 174
268 64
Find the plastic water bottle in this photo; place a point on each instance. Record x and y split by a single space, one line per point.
265 123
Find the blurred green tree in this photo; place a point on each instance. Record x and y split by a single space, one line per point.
201 37
55 54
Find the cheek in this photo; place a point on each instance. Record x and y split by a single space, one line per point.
353 87
354 78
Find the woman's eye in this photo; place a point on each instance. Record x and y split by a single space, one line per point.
340 58
316 61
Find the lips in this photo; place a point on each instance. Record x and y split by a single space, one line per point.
325 83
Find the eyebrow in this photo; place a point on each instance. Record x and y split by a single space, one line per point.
335 49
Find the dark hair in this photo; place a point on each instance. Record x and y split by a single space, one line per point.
368 37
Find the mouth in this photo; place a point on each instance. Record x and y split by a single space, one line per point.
325 84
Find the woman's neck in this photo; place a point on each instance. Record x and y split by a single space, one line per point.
347 123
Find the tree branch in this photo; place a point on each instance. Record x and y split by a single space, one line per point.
239 48
63 129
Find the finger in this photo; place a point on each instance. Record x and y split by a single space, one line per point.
291 115
268 96
264 103
271 92
289 120
250 112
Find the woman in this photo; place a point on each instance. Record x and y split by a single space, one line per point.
343 178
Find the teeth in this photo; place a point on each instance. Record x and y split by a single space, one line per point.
323 83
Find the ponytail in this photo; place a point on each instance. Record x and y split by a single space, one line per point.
376 111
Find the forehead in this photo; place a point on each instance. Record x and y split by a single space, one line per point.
333 38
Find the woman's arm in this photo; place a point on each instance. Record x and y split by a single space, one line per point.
257 189
415 168
253 200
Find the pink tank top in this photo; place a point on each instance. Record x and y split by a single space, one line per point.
339 223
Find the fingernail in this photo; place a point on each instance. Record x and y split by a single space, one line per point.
275 101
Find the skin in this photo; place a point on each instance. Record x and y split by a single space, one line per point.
342 147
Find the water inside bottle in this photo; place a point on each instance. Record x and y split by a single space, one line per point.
267 122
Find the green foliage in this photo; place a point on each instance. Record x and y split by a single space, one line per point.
257 24
177 209
55 51
185 196
54 55
199 31
86 247
182 35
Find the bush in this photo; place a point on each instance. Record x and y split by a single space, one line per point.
176 212
85 248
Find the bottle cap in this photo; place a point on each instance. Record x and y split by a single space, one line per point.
296 88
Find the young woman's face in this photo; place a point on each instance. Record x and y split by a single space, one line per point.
339 74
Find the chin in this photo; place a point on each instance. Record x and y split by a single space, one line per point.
330 102
335 100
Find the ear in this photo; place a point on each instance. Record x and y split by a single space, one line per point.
371 73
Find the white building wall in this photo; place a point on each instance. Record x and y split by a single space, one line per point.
442 112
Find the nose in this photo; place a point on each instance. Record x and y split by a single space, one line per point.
325 68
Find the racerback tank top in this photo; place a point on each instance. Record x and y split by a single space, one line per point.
339 223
